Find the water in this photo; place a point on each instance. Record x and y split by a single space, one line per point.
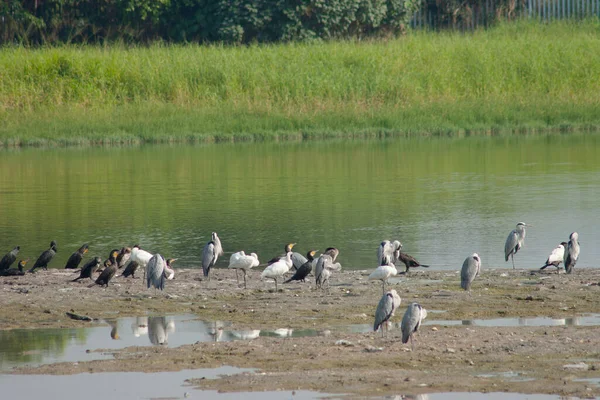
443 198
583 320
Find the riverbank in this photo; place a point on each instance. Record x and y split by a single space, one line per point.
446 357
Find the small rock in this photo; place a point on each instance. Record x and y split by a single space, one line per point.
449 350
580 366
409 379
373 349
343 342
422 385
434 329
470 362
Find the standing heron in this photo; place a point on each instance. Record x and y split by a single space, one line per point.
109 272
88 269
278 268
325 266
383 273
210 254
241 261
156 272
411 322
470 269
45 258
75 259
15 272
514 242
410 261
572 252
9 258
124 256
388 252
386 308
556 257
305 269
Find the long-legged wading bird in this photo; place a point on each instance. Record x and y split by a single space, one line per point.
556 257
410 261
9 258
383 273
572 252
15 271
89 268
45 258
386 308
241 261
109 272
75 259
157 272
470 269
388 252
325 266
210 254
131 269
414 315
170 272
124 256
514 242
141 257
278 268
305 269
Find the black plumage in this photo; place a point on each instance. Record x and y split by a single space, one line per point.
45 258
304 269
124 256
14 271
110 271
9 258
410 261
131 269
75 259
89 268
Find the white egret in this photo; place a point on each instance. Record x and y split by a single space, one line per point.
386 308
556 257
514 242
470 269
383 273
241 261
572 252
141 257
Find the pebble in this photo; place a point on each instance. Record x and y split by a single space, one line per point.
373 349
450 350
343 342
581 366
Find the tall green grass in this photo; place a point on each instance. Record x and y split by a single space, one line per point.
519 76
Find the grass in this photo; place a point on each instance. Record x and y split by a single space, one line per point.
519 77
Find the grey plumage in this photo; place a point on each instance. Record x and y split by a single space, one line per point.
155 269
514 242
9 258
572 252
210 254
325 265
411 321
298 260
388 252
388 304
470 269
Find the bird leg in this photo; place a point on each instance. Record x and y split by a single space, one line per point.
245 287
512 257
412 346
276 290
237 277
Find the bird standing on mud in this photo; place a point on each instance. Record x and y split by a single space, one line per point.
325 266
241 261
157 272
109 272
278 268
305 269
410 261
556 257
210 254
131 269
414 315
386 308
388 252
89 268
383 273
470 269
572 252
9 258
124 256
75 259
297 259
45 258
514 242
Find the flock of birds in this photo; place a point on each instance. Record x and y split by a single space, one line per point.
158 270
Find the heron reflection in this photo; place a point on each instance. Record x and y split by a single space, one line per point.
140 326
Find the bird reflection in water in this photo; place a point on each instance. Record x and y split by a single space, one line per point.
216 331
114 334
140 326
245 335
159 329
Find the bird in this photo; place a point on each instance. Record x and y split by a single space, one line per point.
388 304
124 256
210 254
572 252
9 258
297 259
15 271
131 269
514 242
88 269
45 258
141 257
158 330
169 272
305 269
410 261
388 252
470 269
241 261
325 265
278 268
383 273
75 259
157 272
556 257
109 272
414 315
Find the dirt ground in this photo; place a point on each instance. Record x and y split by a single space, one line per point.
524 359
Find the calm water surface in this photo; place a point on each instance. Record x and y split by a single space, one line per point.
443 198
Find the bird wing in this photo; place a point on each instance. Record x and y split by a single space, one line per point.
208 257
7 260
154 272
319 269
384 252
468 272
410 321
557 255
511 244
298 260
384 310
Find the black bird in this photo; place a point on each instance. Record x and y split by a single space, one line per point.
45 258
89 268
131 269
109 272
13 271
304 269
75 259
124 256
9 258
410 262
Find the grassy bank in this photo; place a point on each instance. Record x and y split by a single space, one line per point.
517 77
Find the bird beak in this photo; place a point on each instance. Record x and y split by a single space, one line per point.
25 261
85 251
292 245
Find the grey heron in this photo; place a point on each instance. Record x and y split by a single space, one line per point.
386 308
109 272
124 256
470 269
45 258
514 242
75 259
414 315
388 252
410 261
383 273
572 252
15 272
278 268
241 261
556 257
305 269
89 268
9 258
210 254
325 265
157 272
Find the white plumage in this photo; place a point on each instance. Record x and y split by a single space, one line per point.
556 257
244 262
571 252
388 252
278 268
140 256
383 273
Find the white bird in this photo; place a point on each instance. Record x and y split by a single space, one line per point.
241 261
386 308
470 269
388 252
141 257
572 252
325 266
157 272
556 257
383 273
411 322
278 268
210 254
514 242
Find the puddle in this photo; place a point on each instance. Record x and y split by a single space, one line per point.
593 381
479 395
584 320
509 376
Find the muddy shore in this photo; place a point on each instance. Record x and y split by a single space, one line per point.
445 357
